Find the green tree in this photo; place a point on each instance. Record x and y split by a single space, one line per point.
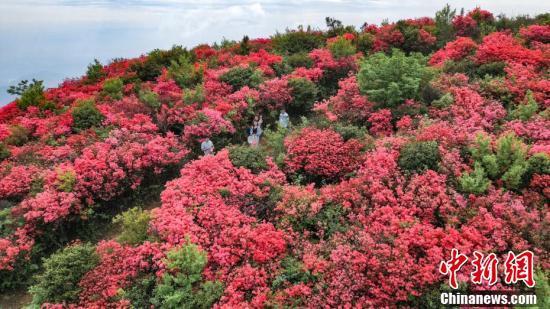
506 161
30 94
526 110
95 71
113 88
390 80
184 73
475 182
444 30
182 285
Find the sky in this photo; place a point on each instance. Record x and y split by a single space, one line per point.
52 40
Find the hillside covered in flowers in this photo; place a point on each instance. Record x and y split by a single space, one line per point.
406 140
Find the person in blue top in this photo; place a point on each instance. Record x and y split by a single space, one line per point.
207 147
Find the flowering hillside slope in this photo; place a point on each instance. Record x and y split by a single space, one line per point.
407 140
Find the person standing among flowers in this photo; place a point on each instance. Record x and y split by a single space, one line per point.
257 126
207 147
283 119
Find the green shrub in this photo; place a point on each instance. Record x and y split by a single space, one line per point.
526 110
304 95
475 182
252 158
282 68
6 219
184 73
182 285
95 72
31 95
342 48
348 131
491 69
113 88
157 59
508 161
140 292
135 223
66 180
62 272
37 186
466 66
445 101
273 144
429 93
150 99
293 272
390 80
326 222
239 77
195 95
417 157
18 136
299 60
86 115
538 163
542 288
365 42
296 41
4 151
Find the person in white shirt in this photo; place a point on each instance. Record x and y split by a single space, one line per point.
283 119
207 147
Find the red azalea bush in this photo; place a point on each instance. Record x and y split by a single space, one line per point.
348 103
499 46
536 33
334 217
321 153
455 50
16 181
464 25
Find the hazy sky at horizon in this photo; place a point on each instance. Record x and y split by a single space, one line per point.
56 39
